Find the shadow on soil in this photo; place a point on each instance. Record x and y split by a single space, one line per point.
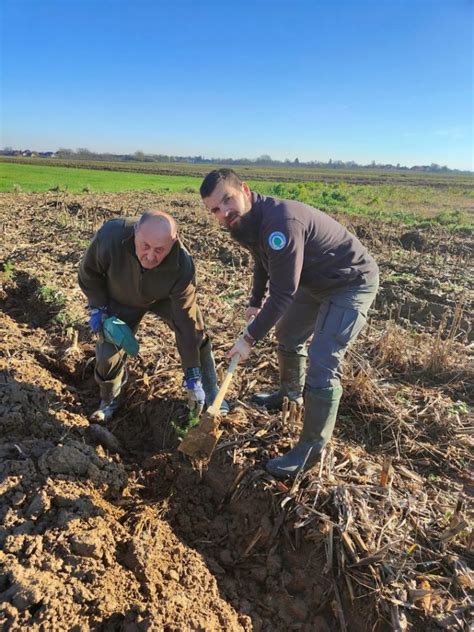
263 566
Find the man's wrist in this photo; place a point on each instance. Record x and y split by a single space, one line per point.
192 375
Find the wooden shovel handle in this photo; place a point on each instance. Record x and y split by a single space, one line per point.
216 404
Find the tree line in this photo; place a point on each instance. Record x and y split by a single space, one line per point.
264 160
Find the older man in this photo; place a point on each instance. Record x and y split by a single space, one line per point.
132 267
311 278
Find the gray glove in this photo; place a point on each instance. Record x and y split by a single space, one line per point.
194 391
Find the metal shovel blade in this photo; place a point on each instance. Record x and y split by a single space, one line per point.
200 441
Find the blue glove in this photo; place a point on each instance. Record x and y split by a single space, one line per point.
98 315
194 390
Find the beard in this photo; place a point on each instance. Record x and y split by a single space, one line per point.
245 231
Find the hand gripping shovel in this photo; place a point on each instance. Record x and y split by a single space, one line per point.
200 441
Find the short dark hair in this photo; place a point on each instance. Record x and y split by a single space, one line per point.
218 175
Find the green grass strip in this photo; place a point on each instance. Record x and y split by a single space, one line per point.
397 203
32 178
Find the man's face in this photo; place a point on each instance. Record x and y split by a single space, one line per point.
229 202
152 244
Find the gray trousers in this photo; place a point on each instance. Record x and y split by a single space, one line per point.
109 359
334 318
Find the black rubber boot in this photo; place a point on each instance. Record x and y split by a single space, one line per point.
109 398
292 367
209 376
320 412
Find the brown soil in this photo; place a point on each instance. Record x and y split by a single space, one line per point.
136 538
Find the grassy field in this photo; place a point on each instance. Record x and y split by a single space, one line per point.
430 200
36 178
255 172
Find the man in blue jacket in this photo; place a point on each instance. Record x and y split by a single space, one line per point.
311 277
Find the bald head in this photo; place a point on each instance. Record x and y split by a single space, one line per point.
155 235
160 220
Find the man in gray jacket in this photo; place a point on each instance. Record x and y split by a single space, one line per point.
311 278
134 266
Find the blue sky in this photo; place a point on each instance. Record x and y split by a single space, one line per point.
363 80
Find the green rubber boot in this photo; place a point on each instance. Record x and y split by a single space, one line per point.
320 412
292 368
109 397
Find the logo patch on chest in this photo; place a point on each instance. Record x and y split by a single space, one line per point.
277 240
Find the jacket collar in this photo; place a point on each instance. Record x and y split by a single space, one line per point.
257 202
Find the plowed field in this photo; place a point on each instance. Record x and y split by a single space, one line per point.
131 536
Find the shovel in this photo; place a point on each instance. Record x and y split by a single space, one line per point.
200 441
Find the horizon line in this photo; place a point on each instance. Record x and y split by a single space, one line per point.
263 158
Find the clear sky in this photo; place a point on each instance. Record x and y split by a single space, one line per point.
363 80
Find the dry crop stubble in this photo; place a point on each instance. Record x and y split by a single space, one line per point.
379 531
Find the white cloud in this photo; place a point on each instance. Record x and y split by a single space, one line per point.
452 133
